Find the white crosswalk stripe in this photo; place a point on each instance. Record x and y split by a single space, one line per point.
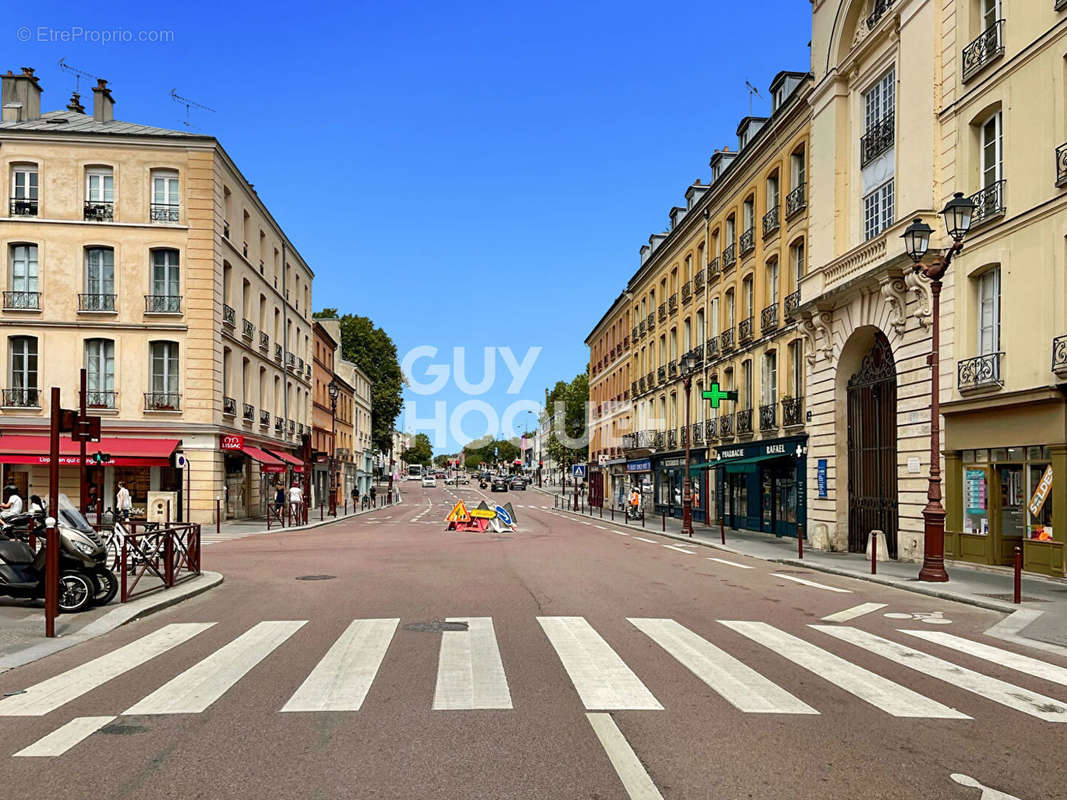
1006 658
599 675
852 613
998 691
62 739
341 680
470 674
878 691
813 584
729 563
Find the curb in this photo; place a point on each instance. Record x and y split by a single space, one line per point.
311 525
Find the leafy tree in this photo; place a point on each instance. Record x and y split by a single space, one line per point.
489 451
420 452
472 460
568 443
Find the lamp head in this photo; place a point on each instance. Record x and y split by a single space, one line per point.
958 213
917 239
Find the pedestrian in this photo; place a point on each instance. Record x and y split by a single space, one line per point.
12 505
635 502
373 494
279 500
355 497
123 502
296 501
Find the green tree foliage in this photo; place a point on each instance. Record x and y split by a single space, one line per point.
489 451
373 351
421 451
569 441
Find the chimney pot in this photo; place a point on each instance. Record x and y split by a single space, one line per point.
103 102
75 103
21 96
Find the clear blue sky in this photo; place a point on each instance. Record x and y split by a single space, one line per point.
474 174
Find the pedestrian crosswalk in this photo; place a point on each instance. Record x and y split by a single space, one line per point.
472 670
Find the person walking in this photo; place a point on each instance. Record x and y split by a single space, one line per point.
355 498
123 502
373 494
296 502
635 502
279 500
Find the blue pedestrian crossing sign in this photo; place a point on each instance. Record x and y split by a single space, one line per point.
578 470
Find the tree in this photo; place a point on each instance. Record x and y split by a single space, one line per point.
420 452
373 351
568 443
491 450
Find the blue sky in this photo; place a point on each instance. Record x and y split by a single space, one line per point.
467 174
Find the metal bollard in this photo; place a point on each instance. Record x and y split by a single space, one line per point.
602 511
663 521
321 511
642 517
51 578
1018 595
218 516
874 555
612 513
722 527
800 540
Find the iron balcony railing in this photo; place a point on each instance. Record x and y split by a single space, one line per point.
96 302
796 201
988 203
769 318
229 316
698 354
698 281
640 329
683 436
792 411
229 406
248 412
672 439
629 441
726 340
163 303
98 211
770 221
651 321
792 303
634 333
244 249
768 417
711 429
299 366
22 397
698 432
662 312
711 348
877 140
292 427
687 291
248 330
661 374
279 424
659 439
1061 165
713 268
747 241
726 426
278 353
634 389
264 342
163 212
744 422
987 48
23 207
225 229
878 9
672 369
290 361
979 372
95 398
22 301
729 257
744 330
1059 355
162 401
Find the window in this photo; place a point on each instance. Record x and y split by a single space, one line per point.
796 169
100 373
700 327
796 258
992 151
24 190
747 214
164 379
769 384
990 13
746 286
772 281
746 376
796 355
99 185
879 101
687 332
772 191
24 268
989 312
99 280
729 301
165 199
878 210
714 318
23 363
729 230
166 280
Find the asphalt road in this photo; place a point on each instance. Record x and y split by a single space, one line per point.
585 671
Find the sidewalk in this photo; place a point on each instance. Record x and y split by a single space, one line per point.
1039 621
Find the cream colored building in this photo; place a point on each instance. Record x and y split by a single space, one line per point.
610 402
144 255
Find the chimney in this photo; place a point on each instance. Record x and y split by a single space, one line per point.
21 96
103 105
75 103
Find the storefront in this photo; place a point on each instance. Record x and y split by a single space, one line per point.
759 485
639 474
668 478
252 477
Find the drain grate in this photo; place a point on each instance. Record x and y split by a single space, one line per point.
316 577
435 627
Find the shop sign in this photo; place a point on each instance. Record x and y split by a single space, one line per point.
821 477
737 452
639 465
774 450
1041 493
672 462
975 491
231 441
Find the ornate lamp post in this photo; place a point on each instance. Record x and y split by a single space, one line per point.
688 364
334 390
916 238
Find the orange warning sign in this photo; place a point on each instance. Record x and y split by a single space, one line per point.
458 513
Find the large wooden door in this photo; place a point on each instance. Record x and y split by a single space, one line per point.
872 448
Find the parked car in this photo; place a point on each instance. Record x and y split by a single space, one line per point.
500 484
429 482
518 483
439 474
464 478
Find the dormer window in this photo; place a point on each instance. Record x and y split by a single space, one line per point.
743 140
777 99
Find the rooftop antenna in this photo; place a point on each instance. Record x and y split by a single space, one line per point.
77 73
177 98
752 92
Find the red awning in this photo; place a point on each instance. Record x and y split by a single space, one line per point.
269 463
123 452
296 463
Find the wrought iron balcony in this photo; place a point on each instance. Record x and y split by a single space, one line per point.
1059 355
100 399
713 268
878 9
163 304
633 387
661 374
683 436
248 330
698 281
792 411
264 342
226 229
651 321
769 318
635 333
726 426
770 221
248 412
792 303
662 312
164 212
229 316
711 348
162 401
672 303
744 422
698 354
278 353
22 301
640 386
1061 165
279 424
744 330
768 417
292 427
672 439
244 249
659 440
23 397
98 211
641 329
988 203
711 429
290 361
987 48
981 372
877 140
299 365
23 207
698 432
687 292
97 302
229 406
796 201
726 340
729 257
672 369
747 241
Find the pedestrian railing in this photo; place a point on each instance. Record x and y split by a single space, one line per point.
170 554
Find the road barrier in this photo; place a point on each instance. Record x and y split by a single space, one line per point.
166 553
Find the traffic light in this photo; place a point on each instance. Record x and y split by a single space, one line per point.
101 458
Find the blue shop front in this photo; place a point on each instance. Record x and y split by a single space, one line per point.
760 485
668 476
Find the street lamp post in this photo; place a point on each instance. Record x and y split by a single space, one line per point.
334 390
688 364
957 213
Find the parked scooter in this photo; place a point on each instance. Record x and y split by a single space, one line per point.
83 578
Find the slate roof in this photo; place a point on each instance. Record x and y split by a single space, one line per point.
76 122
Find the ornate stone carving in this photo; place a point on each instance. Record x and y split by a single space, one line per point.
923 297
895 293
807 327
824 321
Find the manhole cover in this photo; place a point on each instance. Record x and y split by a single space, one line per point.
117 729
316 577
435 626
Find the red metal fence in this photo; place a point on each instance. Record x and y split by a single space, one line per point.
170 554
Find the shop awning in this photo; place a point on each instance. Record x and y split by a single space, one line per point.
291 460
124 452
268 463
735 465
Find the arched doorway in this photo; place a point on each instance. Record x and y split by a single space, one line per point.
872 448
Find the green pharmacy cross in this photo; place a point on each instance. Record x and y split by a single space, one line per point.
716 394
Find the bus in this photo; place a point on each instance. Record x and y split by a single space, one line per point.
415 472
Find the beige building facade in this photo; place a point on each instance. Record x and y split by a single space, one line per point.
143 255
610 402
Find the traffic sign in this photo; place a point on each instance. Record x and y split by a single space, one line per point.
503 515
715 395
86 429
578 470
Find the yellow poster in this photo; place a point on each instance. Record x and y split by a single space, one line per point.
1041 492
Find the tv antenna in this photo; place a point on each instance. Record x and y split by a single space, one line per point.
77 73
177 98
752 92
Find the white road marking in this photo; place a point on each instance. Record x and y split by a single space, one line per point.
852 613
739 684
813 584
601 678
470 673
1036 705
600 527
1005 658
628 766
621 533
880 692
643 539
62 739
679 549
205 682
341 680
50 694
729 563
